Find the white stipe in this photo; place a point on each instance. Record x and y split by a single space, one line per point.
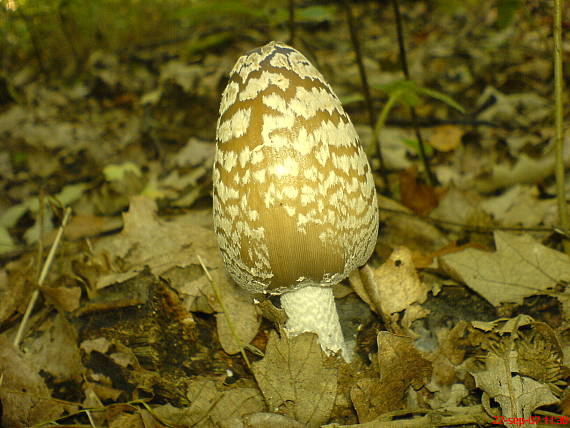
312 309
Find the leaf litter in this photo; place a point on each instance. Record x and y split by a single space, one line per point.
468 326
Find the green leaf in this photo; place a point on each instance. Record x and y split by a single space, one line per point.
10 216
410 93
440 96
117 172
415 146
304 15
351 98
315 13
203 12
396 85
405 90
6 241
506 11
209 41
71 193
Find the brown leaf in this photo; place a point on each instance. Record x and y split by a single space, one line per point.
212 407
294 380
25 397
372 397
147 240
446 138
54 349
518 396
400 361
64 298
519 268
419 197
397 283
243 315
84 225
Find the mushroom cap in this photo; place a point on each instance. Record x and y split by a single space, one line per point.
294 197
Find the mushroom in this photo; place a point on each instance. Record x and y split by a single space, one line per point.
294 201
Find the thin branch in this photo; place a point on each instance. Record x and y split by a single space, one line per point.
404 62
292 22
558 118
365 89
475 229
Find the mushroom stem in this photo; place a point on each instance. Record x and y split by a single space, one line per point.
312 309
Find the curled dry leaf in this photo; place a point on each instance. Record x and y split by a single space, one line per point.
396 285
400 366
520 366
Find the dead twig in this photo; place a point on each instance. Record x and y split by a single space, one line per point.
366 90
432 179
45 269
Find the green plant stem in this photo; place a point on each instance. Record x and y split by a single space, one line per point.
386 110
558 118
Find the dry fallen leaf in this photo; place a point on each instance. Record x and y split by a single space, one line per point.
147 240
401 228
397 284
419 197
519 268
64 298
519 365
521 205
459 207
24 396
518 396
399 360
446 138
525 170
212 407
294 380
400 366
15 286
522 108
199 296
54 349
372 397
194 153
243 315
270 420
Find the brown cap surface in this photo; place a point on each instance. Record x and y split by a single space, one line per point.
294 198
